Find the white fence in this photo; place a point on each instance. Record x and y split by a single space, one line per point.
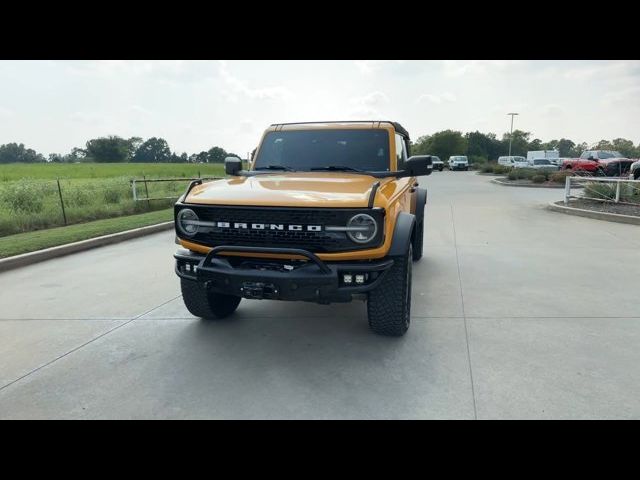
615 190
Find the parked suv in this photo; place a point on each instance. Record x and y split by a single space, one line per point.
437 163
458 162
328 212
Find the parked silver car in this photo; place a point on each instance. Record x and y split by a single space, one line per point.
542 163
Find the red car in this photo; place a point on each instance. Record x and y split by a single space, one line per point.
605 163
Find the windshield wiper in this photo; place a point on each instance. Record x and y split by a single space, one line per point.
337 168
275 167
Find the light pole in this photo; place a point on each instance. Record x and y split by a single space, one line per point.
511 134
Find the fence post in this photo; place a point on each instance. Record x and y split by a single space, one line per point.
618 191
146 189
64 214
567 189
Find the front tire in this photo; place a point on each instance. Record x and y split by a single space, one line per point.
206 304
389 305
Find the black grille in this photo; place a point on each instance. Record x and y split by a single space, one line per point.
321 241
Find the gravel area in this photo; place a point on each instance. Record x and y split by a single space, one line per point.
622 209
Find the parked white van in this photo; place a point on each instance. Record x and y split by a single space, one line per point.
512 161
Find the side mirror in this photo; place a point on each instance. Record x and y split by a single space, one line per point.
418 165
232 165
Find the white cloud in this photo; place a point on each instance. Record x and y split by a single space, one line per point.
371 99
371 66
5 112
458 68
437 99
89 118
237 87
552 110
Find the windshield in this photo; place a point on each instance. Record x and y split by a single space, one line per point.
304 150
459 159
609 155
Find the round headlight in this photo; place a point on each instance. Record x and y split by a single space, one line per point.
186 220
362 228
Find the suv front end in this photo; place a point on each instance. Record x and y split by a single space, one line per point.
329 212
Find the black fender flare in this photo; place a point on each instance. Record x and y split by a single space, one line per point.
402 234
421 202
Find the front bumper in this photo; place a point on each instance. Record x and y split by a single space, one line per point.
312 280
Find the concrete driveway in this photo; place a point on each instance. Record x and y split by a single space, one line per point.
518 312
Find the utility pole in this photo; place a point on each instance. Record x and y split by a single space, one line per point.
511 134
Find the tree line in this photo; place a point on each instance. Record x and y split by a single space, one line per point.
478 146
482 147
114 149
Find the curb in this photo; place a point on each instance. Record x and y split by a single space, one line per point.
505 184
580 212
25 259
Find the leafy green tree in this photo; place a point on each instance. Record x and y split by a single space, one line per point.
111 149
216 155
201 157
577 150
154 150
536 144
603 145
14 153
442 144
519 144
565 146
481 145
625 147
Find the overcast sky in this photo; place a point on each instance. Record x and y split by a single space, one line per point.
53 106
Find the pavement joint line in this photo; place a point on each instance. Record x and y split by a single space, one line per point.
127 322
464 317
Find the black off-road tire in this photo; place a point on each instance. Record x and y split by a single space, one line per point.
389 305
636 174
206 304
418 240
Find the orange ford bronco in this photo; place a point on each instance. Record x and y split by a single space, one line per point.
327 212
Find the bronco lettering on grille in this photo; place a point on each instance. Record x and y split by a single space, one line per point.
269 226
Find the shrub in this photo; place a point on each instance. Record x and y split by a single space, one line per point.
559 177
23 196
539 179
522 173
603 191
500 169
112 195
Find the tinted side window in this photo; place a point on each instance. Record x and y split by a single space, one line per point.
401 152
585 154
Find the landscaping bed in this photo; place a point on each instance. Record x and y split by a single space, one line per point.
529 183
605 207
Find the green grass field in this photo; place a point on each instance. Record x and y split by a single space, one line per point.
30 199
32 241
51 171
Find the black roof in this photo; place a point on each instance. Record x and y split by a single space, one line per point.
399 128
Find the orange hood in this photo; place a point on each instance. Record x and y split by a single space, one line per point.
299 189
